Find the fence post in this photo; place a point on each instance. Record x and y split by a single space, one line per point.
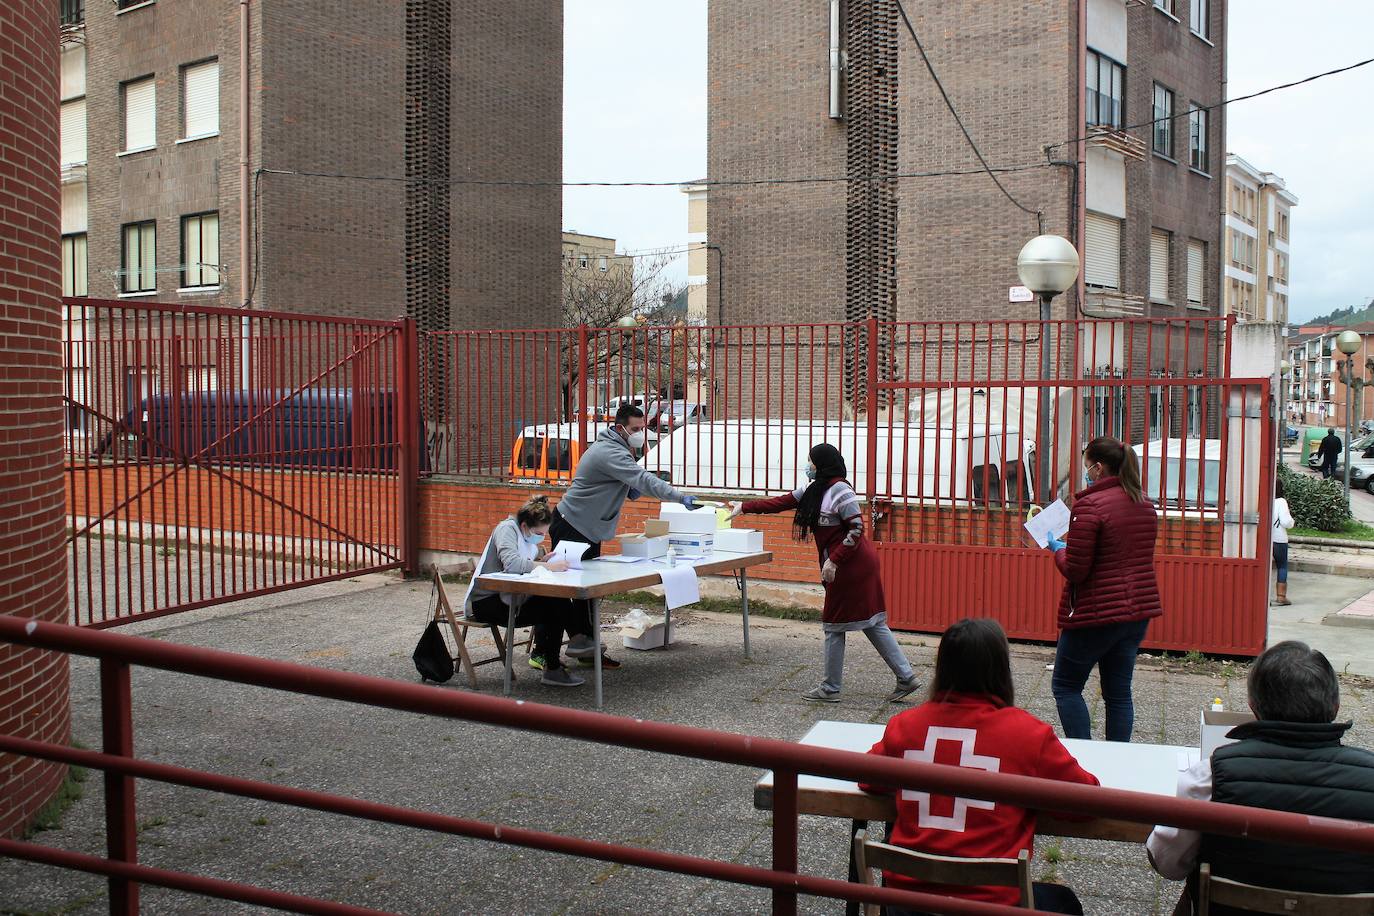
408 421
871 479
785 837
121 834
583 361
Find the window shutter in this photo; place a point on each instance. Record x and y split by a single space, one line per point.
201 87
140 124
1159 265
1102 261
74 132
1195 271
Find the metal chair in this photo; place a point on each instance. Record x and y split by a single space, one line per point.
1254 899
941 869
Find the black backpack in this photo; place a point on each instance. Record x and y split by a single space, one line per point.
431 655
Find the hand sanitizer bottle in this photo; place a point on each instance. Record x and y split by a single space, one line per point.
672 556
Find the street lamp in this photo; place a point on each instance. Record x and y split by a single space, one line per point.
1348 342
1285 367
1047 265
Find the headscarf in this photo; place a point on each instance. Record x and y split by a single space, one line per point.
829 468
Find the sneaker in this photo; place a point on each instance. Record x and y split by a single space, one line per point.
537 662
561 677
580 647
821 695
903 690
607 663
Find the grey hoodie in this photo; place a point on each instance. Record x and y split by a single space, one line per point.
605 475
502 554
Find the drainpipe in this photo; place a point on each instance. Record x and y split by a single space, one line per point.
245 210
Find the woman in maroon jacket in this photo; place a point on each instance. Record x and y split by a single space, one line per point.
1108 560
828 509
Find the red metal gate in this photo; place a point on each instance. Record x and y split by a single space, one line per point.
215 454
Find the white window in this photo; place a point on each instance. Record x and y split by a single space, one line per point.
200 250
74 265
138 264
583 261
140 118
202 378
78 400
74 133
1102 255
602 264
1197 258
200 100
1159 265
1197 17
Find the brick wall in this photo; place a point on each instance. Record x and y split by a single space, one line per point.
33 684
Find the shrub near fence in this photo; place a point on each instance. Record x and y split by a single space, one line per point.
1314 502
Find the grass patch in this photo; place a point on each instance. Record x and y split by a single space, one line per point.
1353 531
49 817
721 606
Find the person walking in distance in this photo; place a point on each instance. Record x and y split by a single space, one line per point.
1283 520
827 509
1329 451
1110 591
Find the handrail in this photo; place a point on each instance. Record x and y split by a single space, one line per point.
785 758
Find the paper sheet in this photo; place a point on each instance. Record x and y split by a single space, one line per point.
621 558
571 551
1051 521
680 586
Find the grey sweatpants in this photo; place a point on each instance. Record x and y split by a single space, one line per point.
875 628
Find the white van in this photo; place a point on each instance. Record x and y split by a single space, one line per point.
974 464
1177 473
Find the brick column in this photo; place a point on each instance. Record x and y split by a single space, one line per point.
33 684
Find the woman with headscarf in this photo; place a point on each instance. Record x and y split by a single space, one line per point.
827 509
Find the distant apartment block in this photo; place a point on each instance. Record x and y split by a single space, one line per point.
1256 257
1317 388
698 254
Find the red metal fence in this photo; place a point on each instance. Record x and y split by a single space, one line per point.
214 454
118 653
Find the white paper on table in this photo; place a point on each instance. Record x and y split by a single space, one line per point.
682 557
680 586
571 551
621 558
1050 522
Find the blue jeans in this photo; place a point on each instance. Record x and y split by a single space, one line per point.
1281 562
1112 649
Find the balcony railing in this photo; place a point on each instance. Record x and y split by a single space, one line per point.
71 12
1109 303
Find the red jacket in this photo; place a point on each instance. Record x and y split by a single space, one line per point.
978 732
1110 559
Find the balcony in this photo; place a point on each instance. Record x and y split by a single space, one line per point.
1109 303
1118 141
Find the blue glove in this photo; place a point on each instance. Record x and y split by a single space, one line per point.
1055 545
689 501
634 494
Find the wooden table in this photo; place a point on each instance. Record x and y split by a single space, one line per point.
1150 768
600 578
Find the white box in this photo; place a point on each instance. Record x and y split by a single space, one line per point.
651 637
688 521
692 543
1215 725
739 540
638 545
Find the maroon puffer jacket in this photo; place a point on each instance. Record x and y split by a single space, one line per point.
1110 559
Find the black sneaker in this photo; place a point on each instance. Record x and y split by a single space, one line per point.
561 677
607 663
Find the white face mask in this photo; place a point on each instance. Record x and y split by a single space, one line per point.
636 440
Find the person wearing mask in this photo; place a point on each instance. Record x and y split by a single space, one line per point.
1283 520
1289 759
514 547
972 701
1107 559
827 508
608 473
1329 451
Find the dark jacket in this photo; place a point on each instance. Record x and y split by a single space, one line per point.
1331 447
1110 559
1300 767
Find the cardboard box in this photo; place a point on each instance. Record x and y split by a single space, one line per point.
682 520
692 543
639 545
645 637
739 540
655 528
1214 727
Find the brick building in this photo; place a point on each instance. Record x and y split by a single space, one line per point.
1029 79
386 90
33 583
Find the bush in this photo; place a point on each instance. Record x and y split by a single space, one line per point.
1315 503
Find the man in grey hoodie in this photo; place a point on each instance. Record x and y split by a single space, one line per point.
607 474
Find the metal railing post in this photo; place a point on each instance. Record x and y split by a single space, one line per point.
785 838
408 433
583 362
871 481
121 833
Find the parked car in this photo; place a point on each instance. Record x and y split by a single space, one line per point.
606 412
1363 445
667 416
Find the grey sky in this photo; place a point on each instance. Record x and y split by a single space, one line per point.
635 109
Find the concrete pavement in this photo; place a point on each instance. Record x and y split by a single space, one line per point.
370 626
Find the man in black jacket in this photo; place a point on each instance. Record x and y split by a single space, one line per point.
1289 759
1329 450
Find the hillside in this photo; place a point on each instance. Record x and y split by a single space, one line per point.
1346 316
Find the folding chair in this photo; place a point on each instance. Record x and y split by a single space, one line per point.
460 623
940 869
1255 899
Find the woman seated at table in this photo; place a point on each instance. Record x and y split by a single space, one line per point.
514 548
971 706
